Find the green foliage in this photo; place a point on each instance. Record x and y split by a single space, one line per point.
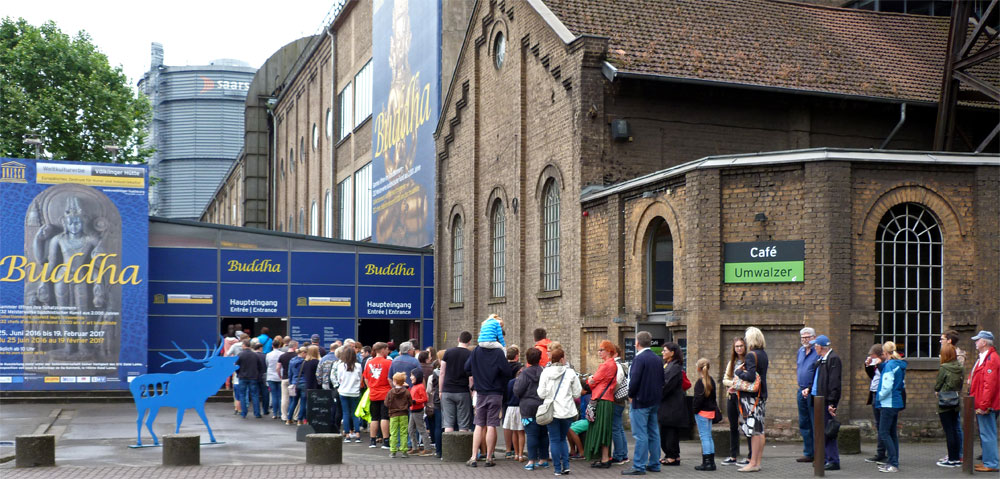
64 90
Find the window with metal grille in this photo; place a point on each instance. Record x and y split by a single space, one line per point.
314 219
499 283
908 280
302 221
328 215
346 119
550 236
457 241
661 268
363 94
345 197
363 202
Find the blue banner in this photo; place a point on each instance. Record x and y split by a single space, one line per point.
389 269
428 303
183 264
73 274
388 303
164 329
253 266
428 271
254 300
320 301
406 98
322 268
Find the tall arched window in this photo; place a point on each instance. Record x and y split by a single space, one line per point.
661 267
908 279
314 219
457 247
290 225
550 236
499 283
328 215
302 221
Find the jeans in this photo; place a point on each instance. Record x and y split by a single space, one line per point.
536 437
299 397
889 434
618 433
949 422
348 404
239 393
988 437
436 430
806 417
705 433
879 445
646 432
558 447
832 451
275 388
251 392
265 396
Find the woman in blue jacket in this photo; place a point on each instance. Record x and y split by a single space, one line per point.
889 401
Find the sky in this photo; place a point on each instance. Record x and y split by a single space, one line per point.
192 32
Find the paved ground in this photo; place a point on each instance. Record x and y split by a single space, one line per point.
93 440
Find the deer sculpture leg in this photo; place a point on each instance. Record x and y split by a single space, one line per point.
138 426
201 413
180 419
149 425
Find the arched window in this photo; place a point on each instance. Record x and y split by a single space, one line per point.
315 137
497 226
302 221
290 224
302 149
457 250
328 215
550 236
661 267
908 280
314 219
291 161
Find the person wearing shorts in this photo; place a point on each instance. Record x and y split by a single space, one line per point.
456 400
490 373
376 376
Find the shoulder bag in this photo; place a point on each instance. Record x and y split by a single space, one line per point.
621 390
292 390
746 386
591 412
948 398
547 408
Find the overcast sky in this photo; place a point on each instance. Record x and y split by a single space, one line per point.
192 32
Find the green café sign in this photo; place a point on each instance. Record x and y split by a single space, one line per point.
764 262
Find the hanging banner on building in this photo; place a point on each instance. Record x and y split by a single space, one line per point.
73 258
406 72
764 262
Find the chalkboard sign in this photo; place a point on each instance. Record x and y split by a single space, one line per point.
319 410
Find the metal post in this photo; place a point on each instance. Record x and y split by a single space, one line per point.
819 435
968 427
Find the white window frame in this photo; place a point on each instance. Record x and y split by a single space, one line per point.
314 219
328 215
345 119
550 236
363 203
345 200
457 259
363 94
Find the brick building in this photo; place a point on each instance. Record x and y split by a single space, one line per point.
573 141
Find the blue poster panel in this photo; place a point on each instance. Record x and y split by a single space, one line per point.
428 271
170 298
428 339
253 266
73 274
187 331
329 330
323 301
254 300
389 269
388 303
428 303
183 264
406 91
322 268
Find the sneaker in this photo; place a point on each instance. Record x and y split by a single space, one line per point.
529 467
392 455
357 439
621 462
743 462
542 464
372 445
404 455
947 463
888 468
729 461
558 473
879 460
565 472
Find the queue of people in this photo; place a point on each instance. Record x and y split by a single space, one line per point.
550 414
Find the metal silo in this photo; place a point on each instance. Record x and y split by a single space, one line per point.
197 130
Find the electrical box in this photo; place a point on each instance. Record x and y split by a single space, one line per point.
620 130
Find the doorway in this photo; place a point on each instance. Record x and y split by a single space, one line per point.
371 331
253 326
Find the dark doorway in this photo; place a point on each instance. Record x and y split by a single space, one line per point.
253 326
371 331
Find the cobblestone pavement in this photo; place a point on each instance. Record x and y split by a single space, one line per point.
92 442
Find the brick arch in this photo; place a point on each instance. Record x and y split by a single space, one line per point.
656 209
456 210
549 171
498 192
948 219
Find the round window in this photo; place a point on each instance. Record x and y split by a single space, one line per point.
499 49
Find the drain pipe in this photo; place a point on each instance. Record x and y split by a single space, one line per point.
902 119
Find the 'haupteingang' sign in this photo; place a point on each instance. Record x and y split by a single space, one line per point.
764 262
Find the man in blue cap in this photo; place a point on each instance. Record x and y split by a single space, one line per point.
985 388
826 384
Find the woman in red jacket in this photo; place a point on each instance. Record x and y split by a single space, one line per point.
602 386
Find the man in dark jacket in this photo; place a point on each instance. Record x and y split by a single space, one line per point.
644 388
490 372
251 365
826 384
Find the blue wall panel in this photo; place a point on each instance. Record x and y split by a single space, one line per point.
248 300
198 299
182 264
252 266
323 301
323 268
389 269
388 303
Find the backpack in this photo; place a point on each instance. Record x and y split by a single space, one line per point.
621 391
323 373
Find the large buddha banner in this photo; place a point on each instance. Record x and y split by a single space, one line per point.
73 257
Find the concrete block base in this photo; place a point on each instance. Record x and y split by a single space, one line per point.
849 439
456 446
325 449
36 450
181 450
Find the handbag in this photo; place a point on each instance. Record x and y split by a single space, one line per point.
832 429
292 390
948 398
591 412
746 386
547 408
718 415
621 390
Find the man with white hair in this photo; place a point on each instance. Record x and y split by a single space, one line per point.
985 390
405 362
804 367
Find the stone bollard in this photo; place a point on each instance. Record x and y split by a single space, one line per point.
35 450
720 436
456 446
849 439
325 449
181 450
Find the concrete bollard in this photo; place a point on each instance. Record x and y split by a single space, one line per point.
456 446
35 450
325 449
720 436
849 439
181 450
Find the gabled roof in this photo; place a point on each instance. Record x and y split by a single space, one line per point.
771 43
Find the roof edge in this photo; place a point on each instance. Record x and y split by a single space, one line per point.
552 21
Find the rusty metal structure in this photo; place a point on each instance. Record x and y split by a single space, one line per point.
962 80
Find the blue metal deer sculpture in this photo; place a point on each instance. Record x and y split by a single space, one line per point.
183 390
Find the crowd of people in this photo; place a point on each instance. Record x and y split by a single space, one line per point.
549 413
